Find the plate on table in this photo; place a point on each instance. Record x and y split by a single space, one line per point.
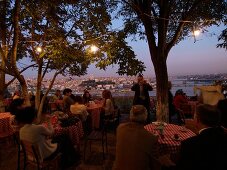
159 123
184 130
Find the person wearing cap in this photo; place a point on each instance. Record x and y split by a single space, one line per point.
141 96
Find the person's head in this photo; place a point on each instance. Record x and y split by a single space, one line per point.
138 113
86 94
140 78
67 92
222 107
106 94
78 99
179 92
17 92
207 116
58 93
15 105
26 115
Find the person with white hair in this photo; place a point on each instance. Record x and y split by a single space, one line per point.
136 148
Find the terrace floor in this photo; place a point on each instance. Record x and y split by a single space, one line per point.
94 159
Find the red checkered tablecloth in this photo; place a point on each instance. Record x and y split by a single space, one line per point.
75 131
168 144
5 127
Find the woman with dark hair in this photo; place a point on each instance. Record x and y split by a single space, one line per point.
86 97
107 106
79 108
108 102
38 134
15 105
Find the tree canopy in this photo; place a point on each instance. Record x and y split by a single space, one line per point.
163 24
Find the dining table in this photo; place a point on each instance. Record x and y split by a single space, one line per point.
74 131
170 136
5 124
94 110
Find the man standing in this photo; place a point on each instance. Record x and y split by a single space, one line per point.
142 97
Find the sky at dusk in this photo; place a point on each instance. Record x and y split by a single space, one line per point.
187 57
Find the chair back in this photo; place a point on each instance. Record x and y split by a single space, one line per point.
186 108
33 156
32 152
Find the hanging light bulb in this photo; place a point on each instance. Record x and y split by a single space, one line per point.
39 49
196 32
94 49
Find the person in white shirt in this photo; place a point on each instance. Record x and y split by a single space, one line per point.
39 135
108 103
36 134
79 108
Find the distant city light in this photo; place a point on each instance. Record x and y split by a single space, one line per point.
39 49
94 49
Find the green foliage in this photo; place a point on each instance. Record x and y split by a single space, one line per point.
166 17
66 29
223 39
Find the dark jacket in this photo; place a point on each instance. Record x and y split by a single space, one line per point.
136 148
206 151
137 100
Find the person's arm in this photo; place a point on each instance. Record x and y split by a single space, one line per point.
46 131
133 88
149 87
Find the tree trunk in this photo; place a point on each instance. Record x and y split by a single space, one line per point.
162 109
5 53
13 56
38 87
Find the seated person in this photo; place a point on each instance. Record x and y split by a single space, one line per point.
79 108
179 99
67 100
16 95
38 134
57 96
136 148
86 97
108 103
207 150
222 106
15 105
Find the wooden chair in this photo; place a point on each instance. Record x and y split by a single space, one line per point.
33 157
186 109
97 135
182 116
113 121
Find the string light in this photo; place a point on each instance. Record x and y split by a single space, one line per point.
94 49
39 49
